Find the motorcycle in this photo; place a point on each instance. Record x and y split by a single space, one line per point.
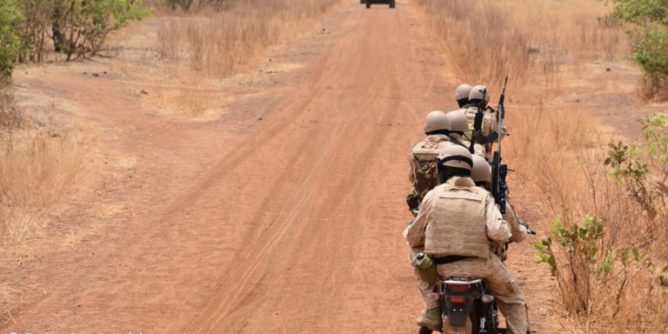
467 307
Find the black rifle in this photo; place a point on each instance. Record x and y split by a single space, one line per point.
477 123
500 170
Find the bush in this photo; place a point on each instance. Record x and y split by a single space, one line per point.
631 165
10 16
84 25
77 27
606 265
651 49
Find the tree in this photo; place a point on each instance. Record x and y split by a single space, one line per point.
10 43
81 26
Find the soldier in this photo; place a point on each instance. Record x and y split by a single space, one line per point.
458 129
478 98
482 176
454 226
462 95
423 171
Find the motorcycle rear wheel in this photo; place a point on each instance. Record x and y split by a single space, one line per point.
466 329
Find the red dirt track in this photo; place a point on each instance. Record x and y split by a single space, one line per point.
288 224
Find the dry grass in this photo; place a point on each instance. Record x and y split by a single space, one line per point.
547 49
487 39
9 115
223 42
35 170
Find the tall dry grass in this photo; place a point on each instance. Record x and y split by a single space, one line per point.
487 39
220 43
547 48
35 170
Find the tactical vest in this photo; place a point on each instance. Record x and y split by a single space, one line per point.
457 224
425 167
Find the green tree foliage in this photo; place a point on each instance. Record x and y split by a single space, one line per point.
642 12
78 28
10 44
650 18
85 24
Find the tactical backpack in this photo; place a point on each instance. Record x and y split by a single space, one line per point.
425 170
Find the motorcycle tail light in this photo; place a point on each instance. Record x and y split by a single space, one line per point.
456 299
487 299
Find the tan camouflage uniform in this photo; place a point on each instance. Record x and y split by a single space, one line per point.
489 125
458 218
518 232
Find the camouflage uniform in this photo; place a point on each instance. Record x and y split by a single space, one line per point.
460 132
479 96
518 233
458 218
423 173
489 126
481 173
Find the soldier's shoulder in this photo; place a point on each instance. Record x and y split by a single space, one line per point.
418 145
482 191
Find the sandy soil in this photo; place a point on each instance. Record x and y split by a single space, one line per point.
279 210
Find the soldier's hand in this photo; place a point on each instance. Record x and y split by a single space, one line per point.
524 227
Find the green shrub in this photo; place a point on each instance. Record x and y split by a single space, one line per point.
86 24
650 17
577 265
10 44
644 170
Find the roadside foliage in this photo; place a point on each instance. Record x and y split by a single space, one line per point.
649 21
29 29
10 17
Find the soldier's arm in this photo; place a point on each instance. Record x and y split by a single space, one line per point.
518 231
497 227
414 232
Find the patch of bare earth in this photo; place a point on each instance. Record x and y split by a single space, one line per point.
271 200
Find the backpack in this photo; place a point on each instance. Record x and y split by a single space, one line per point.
425 169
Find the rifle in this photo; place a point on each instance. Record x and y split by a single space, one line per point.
477 123
500 170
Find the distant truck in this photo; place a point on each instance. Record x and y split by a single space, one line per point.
369 2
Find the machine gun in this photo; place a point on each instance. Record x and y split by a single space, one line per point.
499 169
477 123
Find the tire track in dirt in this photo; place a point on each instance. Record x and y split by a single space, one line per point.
295 227
210 322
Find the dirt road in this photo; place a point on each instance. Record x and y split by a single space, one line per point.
282 215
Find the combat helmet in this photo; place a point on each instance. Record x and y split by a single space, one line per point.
479 93
481 171
462 94
455 160
436 122
458 121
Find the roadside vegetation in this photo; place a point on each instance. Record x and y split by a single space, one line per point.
605 238
31 29
649 29
220 38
